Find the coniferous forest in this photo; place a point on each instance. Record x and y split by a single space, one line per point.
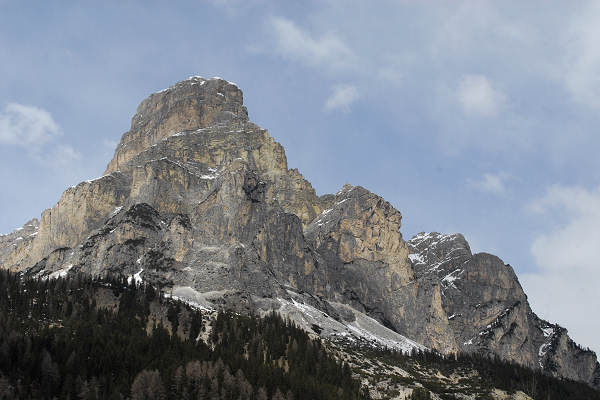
63 339
57 342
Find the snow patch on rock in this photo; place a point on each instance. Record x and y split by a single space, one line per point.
364 330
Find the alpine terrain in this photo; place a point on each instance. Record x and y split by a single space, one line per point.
199 203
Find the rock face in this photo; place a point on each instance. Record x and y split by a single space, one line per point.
367 261
189 105
488 311
200 202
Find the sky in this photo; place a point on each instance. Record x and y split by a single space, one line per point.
473 117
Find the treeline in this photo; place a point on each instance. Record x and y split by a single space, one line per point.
56 342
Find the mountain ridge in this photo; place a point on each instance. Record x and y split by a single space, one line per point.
197 196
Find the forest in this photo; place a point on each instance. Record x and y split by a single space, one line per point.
57 342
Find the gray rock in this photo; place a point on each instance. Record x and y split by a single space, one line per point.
488 311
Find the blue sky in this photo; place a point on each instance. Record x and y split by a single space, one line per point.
473 117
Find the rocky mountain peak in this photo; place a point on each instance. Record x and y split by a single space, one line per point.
192 104
200 201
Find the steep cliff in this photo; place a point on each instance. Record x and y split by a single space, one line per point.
359 239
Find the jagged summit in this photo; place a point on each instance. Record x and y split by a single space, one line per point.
199 201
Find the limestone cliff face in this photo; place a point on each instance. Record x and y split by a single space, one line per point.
367 260
200 202
488 311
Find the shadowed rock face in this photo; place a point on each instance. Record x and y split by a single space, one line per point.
199 201
488 311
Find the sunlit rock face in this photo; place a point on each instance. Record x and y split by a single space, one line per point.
199 201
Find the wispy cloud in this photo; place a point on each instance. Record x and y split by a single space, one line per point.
477 96
582 56
325 51
34 130
27 126
61 155
494 183
342 96
565 287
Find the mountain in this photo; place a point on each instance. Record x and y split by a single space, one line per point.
199 202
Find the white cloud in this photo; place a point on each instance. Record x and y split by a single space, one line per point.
477 96
27 126
565 287
62 156
491 183
582 56
327 51
35 130
341 98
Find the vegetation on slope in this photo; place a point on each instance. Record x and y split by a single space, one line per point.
62 339
55 342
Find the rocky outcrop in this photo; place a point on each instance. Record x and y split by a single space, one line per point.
488 311
200 202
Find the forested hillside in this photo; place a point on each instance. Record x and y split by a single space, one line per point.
79 338
55 341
